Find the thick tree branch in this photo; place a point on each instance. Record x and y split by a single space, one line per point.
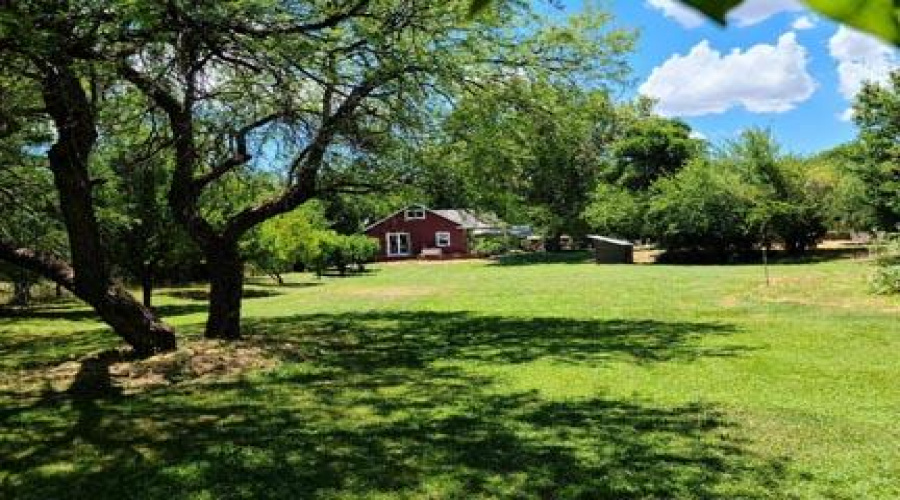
45 264
240 156
158 93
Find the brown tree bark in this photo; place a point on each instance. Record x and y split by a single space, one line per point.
91 280
193 174
134 323
226 281
147 287
88 276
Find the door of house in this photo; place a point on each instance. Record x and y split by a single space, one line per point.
398 244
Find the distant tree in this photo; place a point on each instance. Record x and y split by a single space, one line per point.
877 114
786 205
839 173
145 243
703 208
648 146
534 151
279 244
28 214
29 217
616 211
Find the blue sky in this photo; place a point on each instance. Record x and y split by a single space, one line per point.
777 66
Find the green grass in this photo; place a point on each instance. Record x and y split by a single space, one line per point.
476 380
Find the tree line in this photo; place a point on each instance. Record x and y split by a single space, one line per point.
569 160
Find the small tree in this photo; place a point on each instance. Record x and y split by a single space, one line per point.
279 244
361 249
616 211
702 209
784 199
886 279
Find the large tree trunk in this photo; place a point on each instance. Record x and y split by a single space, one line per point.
88 276
147 287
226 273
129 319
135 323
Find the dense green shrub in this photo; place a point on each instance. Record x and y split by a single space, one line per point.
886 279
702 209
616 211
493 245
301 238
340 251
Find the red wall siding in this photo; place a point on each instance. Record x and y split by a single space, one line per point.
421 233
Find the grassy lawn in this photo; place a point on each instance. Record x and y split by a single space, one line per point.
478 380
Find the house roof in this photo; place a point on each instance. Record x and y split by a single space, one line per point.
466 219
611 240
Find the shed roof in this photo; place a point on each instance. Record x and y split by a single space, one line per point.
610 240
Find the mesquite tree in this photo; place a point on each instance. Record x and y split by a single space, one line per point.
310 92
45 85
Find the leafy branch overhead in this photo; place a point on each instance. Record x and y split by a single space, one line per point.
878 17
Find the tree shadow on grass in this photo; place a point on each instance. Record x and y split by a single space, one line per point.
379 410
415 338
203 295
79 312
537 258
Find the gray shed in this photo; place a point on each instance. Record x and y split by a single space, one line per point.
612 251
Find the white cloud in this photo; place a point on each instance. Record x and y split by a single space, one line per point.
804 23
685 16
756 11
860 58
762 79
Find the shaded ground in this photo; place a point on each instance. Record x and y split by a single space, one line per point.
382 406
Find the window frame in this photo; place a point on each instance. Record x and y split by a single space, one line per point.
389 236
408 211
437 239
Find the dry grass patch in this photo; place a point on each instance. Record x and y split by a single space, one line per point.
195 362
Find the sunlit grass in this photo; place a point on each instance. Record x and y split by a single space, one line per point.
476 380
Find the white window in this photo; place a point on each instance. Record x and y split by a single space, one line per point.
415 213
442 239
398 244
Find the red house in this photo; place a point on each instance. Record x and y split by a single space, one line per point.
419 231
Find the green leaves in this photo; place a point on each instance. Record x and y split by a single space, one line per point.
878 17
715 9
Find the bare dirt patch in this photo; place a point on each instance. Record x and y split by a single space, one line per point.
196 362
